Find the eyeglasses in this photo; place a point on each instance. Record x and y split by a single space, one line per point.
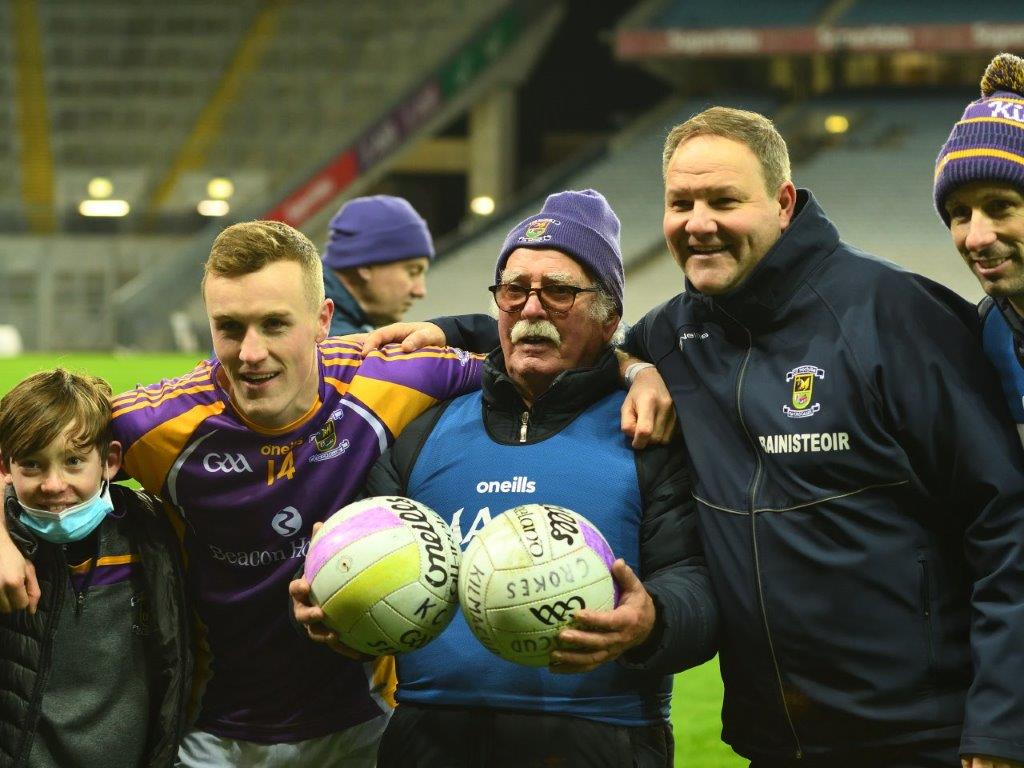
558 298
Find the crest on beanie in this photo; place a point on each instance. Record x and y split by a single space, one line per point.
536 230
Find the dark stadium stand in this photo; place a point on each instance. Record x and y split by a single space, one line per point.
697 15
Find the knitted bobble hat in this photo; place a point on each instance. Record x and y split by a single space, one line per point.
987 144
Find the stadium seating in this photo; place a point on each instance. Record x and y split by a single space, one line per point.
869 12
697 15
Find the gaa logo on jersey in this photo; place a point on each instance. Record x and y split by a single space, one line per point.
803 391
326 439
226 462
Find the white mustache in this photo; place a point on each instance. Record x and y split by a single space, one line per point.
542 328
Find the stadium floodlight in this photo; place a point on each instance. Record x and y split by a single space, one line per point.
100 188
213 207
837 124
482 205
220 189
110 208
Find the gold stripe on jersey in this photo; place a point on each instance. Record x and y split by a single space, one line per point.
108 560
385 679
163 399
349 361
293 425
394 404
151 456
443 353
132 395
341 386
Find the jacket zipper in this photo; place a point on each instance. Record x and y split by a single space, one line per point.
753 536
522 426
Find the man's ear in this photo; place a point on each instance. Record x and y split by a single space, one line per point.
112 461
787 203
323 320
365 273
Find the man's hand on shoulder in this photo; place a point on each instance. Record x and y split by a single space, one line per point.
597 637
648 415
411 336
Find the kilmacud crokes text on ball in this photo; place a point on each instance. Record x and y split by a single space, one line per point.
524 575
385 571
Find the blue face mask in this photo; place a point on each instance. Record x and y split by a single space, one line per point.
71 524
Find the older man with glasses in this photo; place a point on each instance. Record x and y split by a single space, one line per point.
549 412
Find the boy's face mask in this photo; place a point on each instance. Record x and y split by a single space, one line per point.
71 524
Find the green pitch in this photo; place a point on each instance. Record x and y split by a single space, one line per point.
697 696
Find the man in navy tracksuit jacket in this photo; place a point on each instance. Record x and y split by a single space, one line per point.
979 193
859 489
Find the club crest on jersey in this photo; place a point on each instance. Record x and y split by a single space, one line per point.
803 391
536 230
326 440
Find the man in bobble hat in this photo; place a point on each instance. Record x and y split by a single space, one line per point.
376 260
979 193
548 416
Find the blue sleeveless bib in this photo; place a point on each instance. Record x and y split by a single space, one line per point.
467 478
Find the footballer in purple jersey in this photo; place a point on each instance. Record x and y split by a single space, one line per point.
248 497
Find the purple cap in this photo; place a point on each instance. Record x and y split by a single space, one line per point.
581 225
376 230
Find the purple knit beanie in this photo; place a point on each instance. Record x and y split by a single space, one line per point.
581 225
376 230
988 142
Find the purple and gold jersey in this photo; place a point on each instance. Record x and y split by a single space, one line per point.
248 498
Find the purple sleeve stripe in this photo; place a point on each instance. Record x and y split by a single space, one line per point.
103 576
362 525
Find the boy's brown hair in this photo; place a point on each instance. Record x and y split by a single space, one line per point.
40 408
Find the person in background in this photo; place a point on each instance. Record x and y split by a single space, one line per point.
376 259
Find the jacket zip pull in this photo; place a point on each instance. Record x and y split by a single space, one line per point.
522 426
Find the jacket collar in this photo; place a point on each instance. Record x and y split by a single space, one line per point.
806 242
346 307
570 392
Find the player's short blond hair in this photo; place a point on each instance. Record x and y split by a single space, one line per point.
755 131
249 246
42 406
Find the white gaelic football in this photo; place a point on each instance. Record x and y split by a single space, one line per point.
385 571
524 575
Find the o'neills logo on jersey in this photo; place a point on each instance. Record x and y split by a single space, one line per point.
803 391
518 484
807 442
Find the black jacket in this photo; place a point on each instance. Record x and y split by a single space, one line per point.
861 500
25 640
348 316
671 563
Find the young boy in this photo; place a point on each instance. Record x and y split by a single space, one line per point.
99 674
